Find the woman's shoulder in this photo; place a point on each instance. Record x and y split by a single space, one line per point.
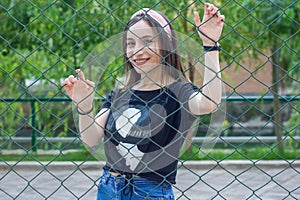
183 89
183 86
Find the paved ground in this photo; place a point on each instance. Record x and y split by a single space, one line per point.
196 180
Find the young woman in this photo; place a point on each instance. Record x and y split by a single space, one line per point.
144 122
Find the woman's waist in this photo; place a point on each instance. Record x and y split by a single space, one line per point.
155 176
124 175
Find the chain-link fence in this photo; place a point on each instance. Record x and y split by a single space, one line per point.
229 153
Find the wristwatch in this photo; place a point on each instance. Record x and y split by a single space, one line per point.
217 47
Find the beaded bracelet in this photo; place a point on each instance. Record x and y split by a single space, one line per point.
85 113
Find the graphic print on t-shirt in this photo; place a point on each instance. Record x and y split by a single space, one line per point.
146 129
131 154
124 123
135 123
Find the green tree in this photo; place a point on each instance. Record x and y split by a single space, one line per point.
269 28
44 40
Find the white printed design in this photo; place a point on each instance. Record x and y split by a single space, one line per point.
125 122
130 152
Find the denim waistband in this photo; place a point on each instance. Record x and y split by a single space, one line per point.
131 187
133 177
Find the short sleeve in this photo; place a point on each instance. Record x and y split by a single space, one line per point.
190 88
183 92
107 101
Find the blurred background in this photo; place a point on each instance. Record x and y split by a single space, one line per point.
43 41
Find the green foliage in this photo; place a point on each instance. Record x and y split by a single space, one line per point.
80 155
242 153
292 128
252 28
267 29
43 41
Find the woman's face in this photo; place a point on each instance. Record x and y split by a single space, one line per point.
143 47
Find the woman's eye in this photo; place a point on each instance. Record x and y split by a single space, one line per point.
130 44
148 41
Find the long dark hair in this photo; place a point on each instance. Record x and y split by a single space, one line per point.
168 49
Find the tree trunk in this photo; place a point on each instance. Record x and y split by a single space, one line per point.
275 90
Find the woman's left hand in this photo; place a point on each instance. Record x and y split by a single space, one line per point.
211 27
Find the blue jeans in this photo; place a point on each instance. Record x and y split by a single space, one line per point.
120 188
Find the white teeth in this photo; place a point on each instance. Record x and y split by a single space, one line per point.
140 61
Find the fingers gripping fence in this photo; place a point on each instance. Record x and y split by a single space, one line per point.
250 150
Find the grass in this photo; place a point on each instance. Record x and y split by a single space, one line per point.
245 153
81 155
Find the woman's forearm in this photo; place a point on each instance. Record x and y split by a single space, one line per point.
212 83
92 128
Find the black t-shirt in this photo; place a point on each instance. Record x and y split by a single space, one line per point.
146 129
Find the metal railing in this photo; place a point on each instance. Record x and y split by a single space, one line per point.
230 139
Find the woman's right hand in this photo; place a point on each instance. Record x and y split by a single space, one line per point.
211 26
80 90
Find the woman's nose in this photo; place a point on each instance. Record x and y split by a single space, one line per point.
139 49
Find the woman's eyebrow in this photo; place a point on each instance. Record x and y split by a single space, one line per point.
143 37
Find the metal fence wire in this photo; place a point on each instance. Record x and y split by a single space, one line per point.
247 149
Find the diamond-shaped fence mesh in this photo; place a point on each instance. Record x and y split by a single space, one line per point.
247 149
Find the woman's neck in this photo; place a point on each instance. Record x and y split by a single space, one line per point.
153 81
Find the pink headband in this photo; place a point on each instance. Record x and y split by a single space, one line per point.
156 16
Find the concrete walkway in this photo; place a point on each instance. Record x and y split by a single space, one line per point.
195 180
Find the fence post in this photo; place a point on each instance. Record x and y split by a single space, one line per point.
33 124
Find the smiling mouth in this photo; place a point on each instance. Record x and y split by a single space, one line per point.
140 62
